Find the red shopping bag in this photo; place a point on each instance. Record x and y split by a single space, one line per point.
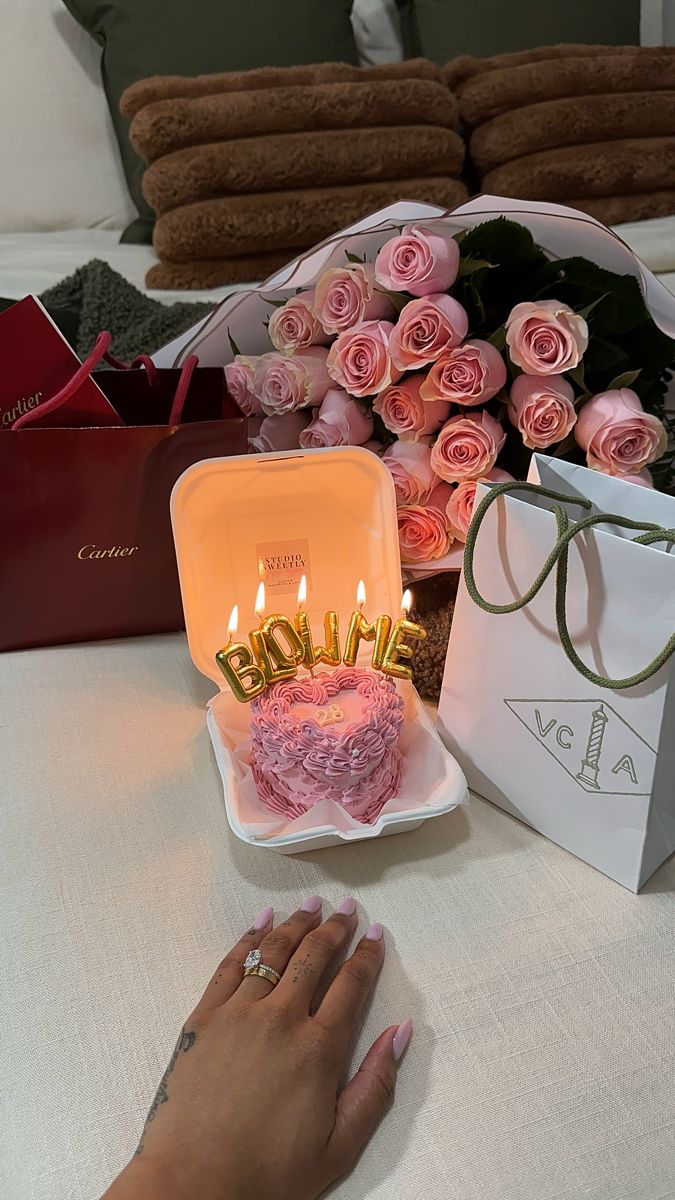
86 549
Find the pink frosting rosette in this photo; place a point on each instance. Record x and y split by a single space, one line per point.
280 432
411 470
407 414
467 447
347 296
425 329
469 375
239 376
295 327
359 359
546 338
420 261
542 409
341 421
423 529
286 383
619 437
462 501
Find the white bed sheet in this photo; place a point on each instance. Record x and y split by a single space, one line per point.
32 262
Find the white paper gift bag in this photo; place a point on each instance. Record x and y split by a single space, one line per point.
561 710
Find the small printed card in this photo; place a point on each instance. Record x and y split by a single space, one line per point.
36 363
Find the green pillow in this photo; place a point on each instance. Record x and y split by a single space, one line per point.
441 29
196 37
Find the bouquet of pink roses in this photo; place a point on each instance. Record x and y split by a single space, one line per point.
456 357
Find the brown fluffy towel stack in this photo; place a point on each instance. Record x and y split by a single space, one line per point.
592 127
247 169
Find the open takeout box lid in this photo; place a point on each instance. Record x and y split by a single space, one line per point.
327 514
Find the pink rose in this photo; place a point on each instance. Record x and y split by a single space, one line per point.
239 382
545 338
423 532
294 326
470 374
643 479
407 414
619 437
285 384
467 447
542 409
346 296
339 422
411 470
425 329
281 432
419 261
461 503
359 359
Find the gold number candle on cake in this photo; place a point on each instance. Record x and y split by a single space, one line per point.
236 663
397 647
276 662
361 631
313 655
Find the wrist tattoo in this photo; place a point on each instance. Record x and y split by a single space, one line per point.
185 1042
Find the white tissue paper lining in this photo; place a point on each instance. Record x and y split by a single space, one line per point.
432 781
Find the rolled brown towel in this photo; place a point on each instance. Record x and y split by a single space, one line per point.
467 66
632 166
167 87
615 210
170 125
270 221
217 272
488 96
296 160
572 121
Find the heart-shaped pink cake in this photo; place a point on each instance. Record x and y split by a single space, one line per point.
331 737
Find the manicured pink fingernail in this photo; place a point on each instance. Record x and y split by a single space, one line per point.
401 1038
374 934
347 907
312 905
264 918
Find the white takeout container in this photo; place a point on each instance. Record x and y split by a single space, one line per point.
330 515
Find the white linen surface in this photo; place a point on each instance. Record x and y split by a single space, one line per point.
544 1056
31 262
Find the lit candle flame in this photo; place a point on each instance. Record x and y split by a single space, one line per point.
406 602
361 594
261 569
233 623
260 600
302 593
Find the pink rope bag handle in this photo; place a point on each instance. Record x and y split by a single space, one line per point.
101 353
69 389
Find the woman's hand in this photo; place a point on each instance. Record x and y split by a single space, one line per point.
252 1105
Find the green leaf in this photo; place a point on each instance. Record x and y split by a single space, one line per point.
233 345
577 375
398 299
354 258
274 303
469 266
504 242
498 338
585 312
623 381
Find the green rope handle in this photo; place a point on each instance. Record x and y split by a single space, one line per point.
559 558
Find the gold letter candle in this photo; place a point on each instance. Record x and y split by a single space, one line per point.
313 655
236 663
397 648
360 631
276 662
